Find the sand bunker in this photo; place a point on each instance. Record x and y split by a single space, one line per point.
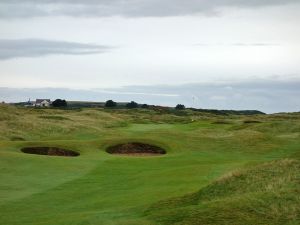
135 149
51 151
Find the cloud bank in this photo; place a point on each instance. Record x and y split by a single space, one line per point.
238 44
38 47
128 8
266 95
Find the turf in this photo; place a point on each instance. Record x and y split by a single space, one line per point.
217 170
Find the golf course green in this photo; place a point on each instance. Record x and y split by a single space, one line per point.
217 169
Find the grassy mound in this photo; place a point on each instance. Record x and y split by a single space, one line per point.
266 194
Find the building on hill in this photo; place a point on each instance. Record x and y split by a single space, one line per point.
42 103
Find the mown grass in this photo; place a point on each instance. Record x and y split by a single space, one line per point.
217 170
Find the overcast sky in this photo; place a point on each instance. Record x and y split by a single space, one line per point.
86 44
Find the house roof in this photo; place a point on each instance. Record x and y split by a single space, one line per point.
41 100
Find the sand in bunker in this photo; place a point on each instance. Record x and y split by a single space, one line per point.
51 151
135 149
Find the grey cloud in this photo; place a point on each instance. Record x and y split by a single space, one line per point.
261 94
240 44
266 95
128 8
255 44
37 47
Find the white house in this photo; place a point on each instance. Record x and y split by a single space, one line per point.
42 103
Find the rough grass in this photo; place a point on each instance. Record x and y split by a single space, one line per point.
192 184
265 194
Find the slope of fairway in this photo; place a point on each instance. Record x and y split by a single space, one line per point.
100 188
266 194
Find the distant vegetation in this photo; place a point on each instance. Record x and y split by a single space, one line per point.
180 107
145 106
132 105
229 112
110 103
59 103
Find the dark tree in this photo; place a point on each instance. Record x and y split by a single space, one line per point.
132 105
110 103
145 106
180 107
59 103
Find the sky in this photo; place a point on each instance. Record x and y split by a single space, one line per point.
155 45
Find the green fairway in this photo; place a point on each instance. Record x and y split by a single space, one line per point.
217 170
